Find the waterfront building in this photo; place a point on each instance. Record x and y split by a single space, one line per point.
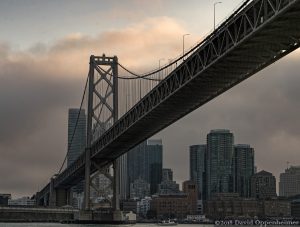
220 148
168 186
4 199
143 206
170 206
145 162
277 208
231 205
295 208
197 168
243 166
223 205
263 185
190 189
24 201
289 184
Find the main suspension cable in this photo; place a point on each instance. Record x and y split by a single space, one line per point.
77 119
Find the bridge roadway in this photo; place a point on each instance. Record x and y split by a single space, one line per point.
254 37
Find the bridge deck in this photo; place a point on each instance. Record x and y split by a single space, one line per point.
257 36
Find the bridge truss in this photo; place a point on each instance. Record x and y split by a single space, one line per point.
255 36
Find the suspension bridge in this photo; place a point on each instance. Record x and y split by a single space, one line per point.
126 108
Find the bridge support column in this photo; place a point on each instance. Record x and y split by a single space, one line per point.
87 205
117 213
52 195
116 186
45 201
58 196
62 197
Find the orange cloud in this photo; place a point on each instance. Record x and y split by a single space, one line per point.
138 46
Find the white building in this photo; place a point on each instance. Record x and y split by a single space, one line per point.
77 200
24 201
289 184
143 206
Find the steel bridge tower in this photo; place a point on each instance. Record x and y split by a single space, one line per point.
102 114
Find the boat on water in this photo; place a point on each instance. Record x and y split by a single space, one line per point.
168 222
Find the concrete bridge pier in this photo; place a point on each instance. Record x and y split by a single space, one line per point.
117 213
58 196
42 200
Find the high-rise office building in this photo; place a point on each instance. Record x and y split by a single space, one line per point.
220 147
243 166
263 185
197 168
155 154
167 185
145 162
190 188
289 184
77 140
167 174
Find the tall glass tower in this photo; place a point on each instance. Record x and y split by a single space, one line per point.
78 144
197 168
220 148
145 162
243 168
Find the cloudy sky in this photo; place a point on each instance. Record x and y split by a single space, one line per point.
44 52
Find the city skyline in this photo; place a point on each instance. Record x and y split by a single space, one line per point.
42 75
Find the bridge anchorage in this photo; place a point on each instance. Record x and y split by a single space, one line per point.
256 35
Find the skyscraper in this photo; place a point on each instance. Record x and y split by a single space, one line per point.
145 162
243 166
263 185
197 168
219 161
289 184
154 150
76 145
167 185
167 174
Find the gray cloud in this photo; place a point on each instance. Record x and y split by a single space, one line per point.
38 86
33 123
